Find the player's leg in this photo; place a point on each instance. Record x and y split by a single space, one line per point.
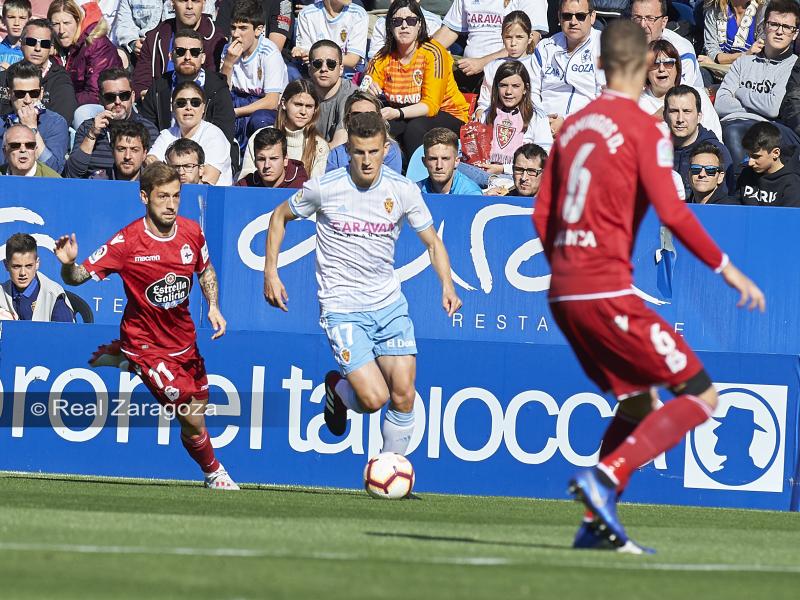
399 372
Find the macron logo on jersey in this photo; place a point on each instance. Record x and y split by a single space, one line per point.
151 258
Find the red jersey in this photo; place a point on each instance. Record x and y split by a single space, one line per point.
609 162
157 275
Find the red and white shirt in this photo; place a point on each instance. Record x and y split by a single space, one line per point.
610 161
157 275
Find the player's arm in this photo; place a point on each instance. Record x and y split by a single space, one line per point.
210 286
655 170
441 264
545 200
66 252
274 291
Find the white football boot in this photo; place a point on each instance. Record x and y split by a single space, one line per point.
220 480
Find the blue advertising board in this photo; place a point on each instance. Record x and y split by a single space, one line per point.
492 418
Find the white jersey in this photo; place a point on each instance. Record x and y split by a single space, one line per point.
690 70
432 21
263 72
564 82
216 146
349 29
485 97
356 234
482 20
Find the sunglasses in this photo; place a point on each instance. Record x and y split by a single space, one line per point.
328 62
668 63
18 145
410 21
20 94
710 170
179 52
111 97
33 42
581 16
182 102
528 172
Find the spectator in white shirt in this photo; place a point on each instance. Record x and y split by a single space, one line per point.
345 23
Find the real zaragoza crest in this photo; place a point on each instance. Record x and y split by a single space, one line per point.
505 133
388 204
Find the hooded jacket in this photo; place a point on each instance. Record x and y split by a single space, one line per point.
157 103
682 158
84 63
153 60
720 196
781 188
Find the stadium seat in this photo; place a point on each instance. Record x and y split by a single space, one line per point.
81 307
416 170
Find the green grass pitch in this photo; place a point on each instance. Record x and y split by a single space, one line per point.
115 539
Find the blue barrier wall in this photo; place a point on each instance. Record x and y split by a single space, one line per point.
507 409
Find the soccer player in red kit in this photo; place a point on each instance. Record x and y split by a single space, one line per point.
609 162
157 256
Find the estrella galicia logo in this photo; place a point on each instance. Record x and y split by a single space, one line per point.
169 292
742 446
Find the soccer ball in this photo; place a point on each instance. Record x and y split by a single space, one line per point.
389 475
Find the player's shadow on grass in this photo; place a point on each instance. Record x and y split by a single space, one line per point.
464 540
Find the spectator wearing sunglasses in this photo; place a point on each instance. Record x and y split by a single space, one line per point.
767 180
155 58
19 147
255 71
92 152
59 94
683 114
565 75
188 105
50 128
325 69
341 21
188 58
755 85
707 176
378 39
15 15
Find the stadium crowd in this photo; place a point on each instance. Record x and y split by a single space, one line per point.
259 93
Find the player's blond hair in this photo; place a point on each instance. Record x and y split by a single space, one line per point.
623 47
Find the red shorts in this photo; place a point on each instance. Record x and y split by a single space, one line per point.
623 346
173 380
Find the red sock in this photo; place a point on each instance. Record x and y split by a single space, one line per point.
657 433
200 449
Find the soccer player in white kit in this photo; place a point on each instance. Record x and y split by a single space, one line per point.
360 210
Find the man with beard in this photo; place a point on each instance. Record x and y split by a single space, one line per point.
129 143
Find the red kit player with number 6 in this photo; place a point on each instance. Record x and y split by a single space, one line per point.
157 257
611 161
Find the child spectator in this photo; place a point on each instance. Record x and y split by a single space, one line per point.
254 69
273 168
345 23
15 15
766 180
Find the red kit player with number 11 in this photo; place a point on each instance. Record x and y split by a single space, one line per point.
610 161
157 257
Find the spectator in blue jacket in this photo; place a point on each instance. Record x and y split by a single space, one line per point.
441 160
52 131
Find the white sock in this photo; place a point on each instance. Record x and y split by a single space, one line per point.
397 430
348 395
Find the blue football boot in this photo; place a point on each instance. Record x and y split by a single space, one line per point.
599 495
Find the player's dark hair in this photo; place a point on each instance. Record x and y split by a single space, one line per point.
248 11
156 174
440 135
531 152
188 85
184 146
23 70
661 3
510 68
589 2
664 47
390 45
366 125
325 44
269 136
43 23
20 243
113 75
683 90
623 47
130 129
18 4
762 136
706 148
790 7
190 34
